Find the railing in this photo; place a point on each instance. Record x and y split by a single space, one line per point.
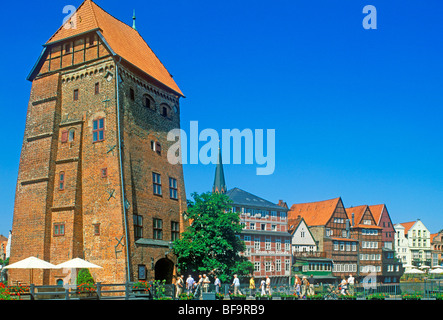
308 254
428 289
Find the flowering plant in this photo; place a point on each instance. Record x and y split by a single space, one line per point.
376 296
141 285
86 288
411 296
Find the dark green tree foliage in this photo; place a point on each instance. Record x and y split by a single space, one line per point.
212 242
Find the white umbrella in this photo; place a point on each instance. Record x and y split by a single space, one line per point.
31 263
434 267
437 270
408 266
77 263
412 271
424 267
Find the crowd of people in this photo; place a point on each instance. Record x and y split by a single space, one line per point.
303 287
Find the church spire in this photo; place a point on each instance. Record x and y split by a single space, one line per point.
219 180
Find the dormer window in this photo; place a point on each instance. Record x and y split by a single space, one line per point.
67 48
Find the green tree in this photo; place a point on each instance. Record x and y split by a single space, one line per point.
212 242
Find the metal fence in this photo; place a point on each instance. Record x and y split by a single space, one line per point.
428 289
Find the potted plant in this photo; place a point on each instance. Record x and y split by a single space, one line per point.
376 296
185 296
411 296
317 296
219 296
259 296
238 296
285 296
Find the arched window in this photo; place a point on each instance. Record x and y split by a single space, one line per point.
71 134
165 110
148 102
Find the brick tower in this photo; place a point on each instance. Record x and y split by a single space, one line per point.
94 181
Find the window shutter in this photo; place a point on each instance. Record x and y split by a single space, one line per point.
64 136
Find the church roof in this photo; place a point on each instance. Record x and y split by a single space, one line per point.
241 197
122 39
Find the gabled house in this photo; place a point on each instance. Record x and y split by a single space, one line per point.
413 243
306 259
330 226
392 268
365 230
301 238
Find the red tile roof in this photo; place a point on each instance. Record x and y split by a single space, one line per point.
408 225
125 41
377 210
315 213
358 213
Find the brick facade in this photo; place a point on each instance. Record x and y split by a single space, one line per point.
69 200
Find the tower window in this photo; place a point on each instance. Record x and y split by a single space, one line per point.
59 229
138 226
175 230
96 229
75 95
61 185
104 172
98 130
71 135
173 188
157 229
157 184
164 112
97 88
131 94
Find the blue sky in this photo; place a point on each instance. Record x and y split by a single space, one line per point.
357 113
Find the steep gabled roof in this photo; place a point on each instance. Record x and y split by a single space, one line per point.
122 39
377 211
314 213
241 197
358 211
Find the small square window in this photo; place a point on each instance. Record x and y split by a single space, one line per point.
104 172
59 229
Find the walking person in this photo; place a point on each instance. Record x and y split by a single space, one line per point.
189 284
236 284
343 285
179 286
199 285
206 283
252 286
217 284
263 287
351 282
304 286
268 285
311 280
297 285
